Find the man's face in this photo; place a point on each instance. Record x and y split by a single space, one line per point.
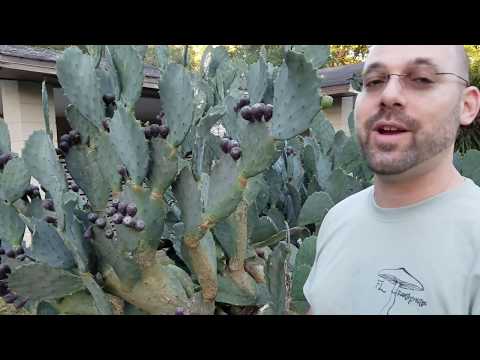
428 111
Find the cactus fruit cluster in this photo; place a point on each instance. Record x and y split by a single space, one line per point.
257 112
180 220
173 219
232 147
9 296
155 130
69 140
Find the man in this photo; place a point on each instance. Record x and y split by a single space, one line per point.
409 244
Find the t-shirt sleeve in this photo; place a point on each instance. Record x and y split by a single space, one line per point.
308 286
474 308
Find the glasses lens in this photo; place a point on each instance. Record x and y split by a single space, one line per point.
420 79
374 81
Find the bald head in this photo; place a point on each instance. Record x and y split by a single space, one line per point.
448 58
463 62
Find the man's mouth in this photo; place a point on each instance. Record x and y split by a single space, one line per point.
389 131
389 128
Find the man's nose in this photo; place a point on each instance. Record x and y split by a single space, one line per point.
393 95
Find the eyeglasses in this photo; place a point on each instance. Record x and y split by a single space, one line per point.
423 80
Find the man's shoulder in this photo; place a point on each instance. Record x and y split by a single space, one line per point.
469 197
353 203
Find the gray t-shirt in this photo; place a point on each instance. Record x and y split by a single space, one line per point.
417 259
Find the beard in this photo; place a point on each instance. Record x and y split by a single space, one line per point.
424 144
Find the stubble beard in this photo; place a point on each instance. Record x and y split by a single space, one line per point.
388 159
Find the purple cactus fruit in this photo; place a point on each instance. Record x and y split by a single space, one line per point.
128 221
11 254
236 153
2 251
139 225
34 191
19 251
47 204
64 146
75 188
51 220
3 276
179 311
4 159
75 136
225 145
115 203
164 131
131 209
122 207
108 99
246 113
109 234
101 223
110 211
268 113
88 234
3 290
66 138
244 100
122 170
148 132
21 304
5 268
155 130
117 218
106 124
257 111
10 298
92 217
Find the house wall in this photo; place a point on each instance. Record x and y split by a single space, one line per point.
340 111
23 111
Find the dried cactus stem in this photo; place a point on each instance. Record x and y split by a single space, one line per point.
206 277
256 271
243 181
236 263
192 238
137 188
150 294
173 153
244 281
144 256
156 195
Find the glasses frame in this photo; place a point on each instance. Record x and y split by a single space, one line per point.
388 76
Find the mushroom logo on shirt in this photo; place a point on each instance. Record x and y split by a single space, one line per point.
400 279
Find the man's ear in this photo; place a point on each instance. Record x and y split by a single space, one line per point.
471 105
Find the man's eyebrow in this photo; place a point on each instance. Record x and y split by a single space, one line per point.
372 67
415 62
424 61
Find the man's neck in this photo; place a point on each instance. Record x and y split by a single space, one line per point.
415 185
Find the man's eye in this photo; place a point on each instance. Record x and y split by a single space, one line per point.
422 80
374 82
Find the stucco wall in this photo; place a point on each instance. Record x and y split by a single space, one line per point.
338 114
23 111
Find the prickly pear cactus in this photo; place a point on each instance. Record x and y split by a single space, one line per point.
212 208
